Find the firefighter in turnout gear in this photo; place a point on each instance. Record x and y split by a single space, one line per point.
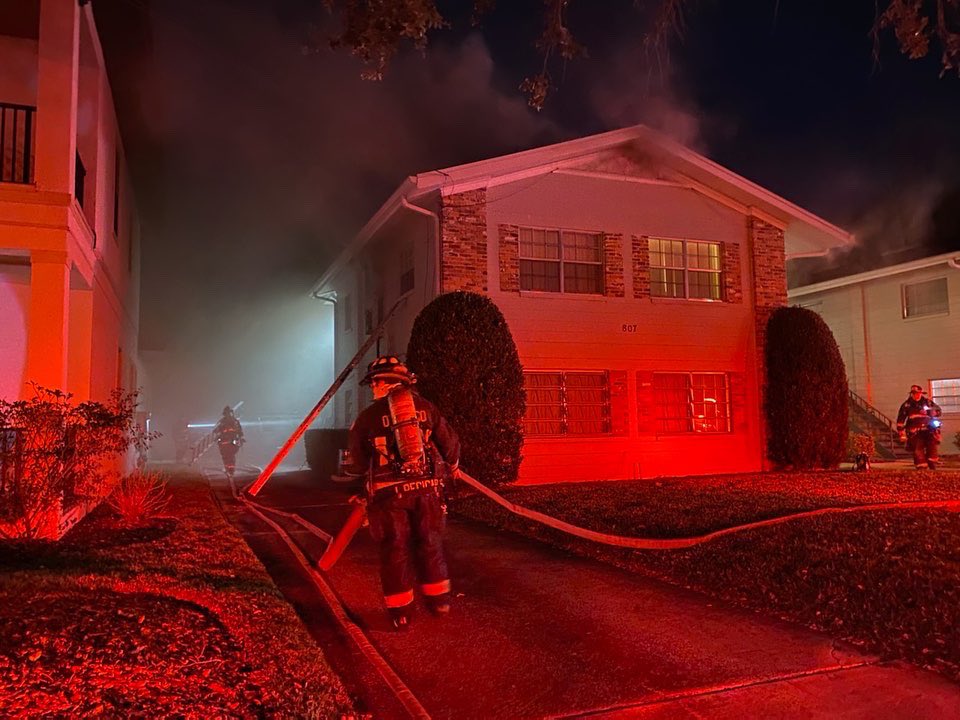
404 446
229 436
918 423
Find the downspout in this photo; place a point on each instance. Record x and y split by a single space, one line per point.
954 263
436 238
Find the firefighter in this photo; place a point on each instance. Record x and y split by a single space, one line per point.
918 423
404 446
229 436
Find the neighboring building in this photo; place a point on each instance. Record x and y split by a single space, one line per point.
636 276
69 265
897 327
69 234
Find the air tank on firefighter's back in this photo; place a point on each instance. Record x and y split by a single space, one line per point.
405 424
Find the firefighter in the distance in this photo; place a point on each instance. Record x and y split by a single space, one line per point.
401 443
229 436
918 423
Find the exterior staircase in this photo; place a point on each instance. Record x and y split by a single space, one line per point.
865 418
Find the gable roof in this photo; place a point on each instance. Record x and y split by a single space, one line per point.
805 234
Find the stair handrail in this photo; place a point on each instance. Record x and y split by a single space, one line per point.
876 414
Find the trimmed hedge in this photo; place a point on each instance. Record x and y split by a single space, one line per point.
466 363
806 400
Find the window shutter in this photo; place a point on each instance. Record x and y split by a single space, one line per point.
738 402
509 254
640 254
646 419
619 403
613 265
732 282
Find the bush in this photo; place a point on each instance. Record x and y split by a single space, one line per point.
55 450
467 364
806 392
139 497
860 443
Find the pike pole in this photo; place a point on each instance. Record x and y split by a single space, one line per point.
258 484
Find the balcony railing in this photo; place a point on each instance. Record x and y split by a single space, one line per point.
16 143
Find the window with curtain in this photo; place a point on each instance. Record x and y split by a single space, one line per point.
691 402
567 403
561 261
686 269
925 298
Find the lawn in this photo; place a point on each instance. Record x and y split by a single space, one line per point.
884 580
176 618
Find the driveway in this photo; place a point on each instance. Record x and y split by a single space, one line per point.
536 633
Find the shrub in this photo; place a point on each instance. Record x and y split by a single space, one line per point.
806 392
56 451
139 497
467 364
860 443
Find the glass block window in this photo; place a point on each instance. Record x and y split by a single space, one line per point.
691 402
561 261
567 403
946 394
685 269
925 298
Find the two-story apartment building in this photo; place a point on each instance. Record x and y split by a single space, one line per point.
69 260
636 277
896 327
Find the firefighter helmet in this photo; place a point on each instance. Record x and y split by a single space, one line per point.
390 369
916 389
227 410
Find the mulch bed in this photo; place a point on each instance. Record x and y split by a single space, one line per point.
174 619
886 581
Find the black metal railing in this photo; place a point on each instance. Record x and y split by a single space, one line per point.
886 430
16 143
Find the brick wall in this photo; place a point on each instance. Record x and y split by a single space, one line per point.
768 256
508 241
641 266
463 233
613 265
732 280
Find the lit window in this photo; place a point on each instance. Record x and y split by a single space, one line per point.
925 298
685 269
567 403
561 261
946 394
406 269
691 402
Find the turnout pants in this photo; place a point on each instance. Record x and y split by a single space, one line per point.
410 524
228 453
925 446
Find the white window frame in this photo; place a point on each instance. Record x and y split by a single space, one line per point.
695 420
686 267
945 392
922 311
564 404
561 261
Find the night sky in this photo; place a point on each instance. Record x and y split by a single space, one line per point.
255 161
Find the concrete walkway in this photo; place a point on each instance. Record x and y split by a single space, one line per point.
538 633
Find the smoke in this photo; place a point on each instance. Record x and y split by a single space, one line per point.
273 160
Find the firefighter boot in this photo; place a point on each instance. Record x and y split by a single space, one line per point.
440 605
400 617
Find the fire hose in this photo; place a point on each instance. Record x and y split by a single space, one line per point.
356 518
